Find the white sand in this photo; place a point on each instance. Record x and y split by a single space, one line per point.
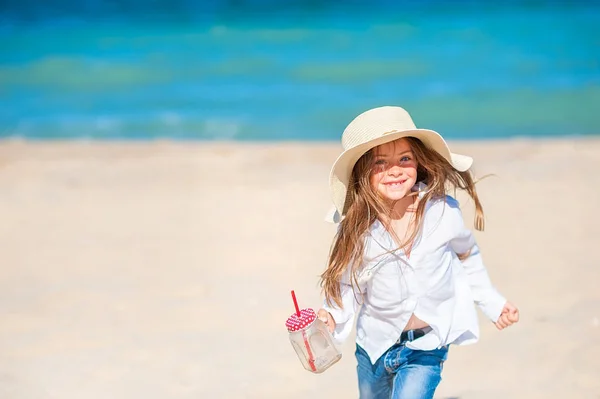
163 270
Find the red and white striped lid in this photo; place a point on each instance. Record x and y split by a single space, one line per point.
295 322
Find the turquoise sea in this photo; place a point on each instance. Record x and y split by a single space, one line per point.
298 70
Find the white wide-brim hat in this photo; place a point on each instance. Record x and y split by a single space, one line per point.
372 128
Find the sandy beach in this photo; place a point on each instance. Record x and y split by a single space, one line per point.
164 270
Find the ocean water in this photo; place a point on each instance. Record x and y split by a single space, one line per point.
297 70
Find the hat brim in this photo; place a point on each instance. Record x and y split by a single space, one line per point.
342 167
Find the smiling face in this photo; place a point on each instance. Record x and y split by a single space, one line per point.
394 170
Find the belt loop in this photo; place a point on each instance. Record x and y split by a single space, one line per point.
411 335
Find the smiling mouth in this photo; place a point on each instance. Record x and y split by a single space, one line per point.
395 183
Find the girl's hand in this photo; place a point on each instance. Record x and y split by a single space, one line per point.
509 316
326 318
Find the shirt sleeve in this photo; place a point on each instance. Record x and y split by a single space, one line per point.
344 317
485 294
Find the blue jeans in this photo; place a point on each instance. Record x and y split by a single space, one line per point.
400 373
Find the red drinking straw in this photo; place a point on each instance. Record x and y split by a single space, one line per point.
295 303
311 358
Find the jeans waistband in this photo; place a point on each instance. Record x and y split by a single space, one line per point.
411 335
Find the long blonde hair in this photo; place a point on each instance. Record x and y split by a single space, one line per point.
363 206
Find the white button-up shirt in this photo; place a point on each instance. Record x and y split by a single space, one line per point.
432 283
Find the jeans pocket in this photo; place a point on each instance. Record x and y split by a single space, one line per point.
393 359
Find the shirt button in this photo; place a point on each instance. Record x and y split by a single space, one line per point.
360 333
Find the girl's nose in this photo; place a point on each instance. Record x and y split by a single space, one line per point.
395 171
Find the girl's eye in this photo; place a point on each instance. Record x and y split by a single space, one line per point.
380 162
405 159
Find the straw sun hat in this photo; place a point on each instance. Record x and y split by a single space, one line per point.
370 129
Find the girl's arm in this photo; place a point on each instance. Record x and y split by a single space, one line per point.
343 318
484 293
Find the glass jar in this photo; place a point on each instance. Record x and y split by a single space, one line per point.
314 346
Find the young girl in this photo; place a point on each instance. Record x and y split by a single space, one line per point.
402 257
